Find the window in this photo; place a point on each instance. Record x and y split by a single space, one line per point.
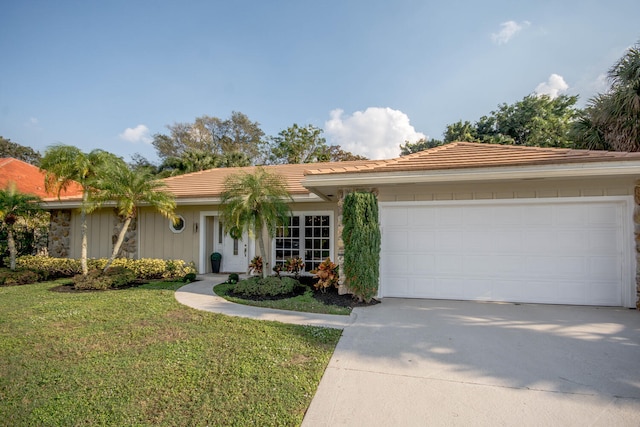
177 226
307 236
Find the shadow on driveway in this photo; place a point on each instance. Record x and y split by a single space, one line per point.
433 362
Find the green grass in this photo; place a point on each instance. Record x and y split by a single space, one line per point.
138 357
304 302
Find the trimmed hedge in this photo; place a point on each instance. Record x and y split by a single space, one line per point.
18 277
144 269
265 287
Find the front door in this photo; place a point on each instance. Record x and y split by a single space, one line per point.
235 258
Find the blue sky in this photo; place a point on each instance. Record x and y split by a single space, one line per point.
372 74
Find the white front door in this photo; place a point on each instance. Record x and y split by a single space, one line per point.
235 254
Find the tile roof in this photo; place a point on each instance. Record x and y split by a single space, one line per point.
29 179
210 183
460 155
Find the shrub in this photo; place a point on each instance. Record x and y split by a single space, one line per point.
294 265
266 287
189 277
144 269
18 277
361 236
255 266
233 278
114 278
327 274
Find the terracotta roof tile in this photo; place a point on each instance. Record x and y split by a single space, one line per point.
210 183
29 179
460 155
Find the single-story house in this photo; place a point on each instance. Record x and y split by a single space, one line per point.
461 221
29 179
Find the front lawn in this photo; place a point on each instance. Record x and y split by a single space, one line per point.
138 357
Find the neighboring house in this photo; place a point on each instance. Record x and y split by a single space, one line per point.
460 221
29 179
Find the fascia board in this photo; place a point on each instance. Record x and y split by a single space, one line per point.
476 174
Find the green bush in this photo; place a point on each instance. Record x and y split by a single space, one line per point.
114 278
266 287
18 277
361 236
233 278
189 277
144 269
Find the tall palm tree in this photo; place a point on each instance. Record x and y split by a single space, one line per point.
128 190
616 114
64 164
255 202
13 206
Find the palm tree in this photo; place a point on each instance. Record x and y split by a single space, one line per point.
13 206
64 164
255 202
616 114
129 189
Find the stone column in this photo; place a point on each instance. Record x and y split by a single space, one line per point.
59 244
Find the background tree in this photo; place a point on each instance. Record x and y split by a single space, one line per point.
63 164
129 189
420 145
15 206
299 144
612 119
305 144
255 202
536 120
17 151
236 134
192 160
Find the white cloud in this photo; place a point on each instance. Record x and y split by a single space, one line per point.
552 87
375 133
33 120
139 133
508 30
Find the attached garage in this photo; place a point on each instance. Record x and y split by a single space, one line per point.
559 251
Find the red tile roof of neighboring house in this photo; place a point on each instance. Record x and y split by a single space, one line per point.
29 179
459 155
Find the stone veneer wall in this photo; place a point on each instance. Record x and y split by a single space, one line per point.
636 223
129 248
59 233
343 288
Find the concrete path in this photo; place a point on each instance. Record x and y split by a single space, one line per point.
448 363
200 295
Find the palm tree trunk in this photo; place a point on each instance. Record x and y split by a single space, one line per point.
265 264
11 243
116 247
83 234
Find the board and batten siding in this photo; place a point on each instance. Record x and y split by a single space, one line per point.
158 241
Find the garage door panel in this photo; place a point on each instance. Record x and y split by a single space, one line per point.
559 251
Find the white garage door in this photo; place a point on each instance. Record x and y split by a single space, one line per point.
560 251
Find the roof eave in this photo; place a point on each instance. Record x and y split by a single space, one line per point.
553 171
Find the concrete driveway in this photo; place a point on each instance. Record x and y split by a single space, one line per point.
432 363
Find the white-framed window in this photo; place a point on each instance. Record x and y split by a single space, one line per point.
308 235
178 225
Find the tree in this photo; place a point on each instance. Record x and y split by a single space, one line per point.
612 119
192 160
361 235
17 151
63 164
305 144
129 189
298 144
536 120
255 202
213 135
13 207
420 145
